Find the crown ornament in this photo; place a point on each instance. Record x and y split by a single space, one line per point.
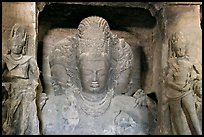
93 36
18 33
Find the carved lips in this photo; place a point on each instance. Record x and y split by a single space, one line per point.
95 84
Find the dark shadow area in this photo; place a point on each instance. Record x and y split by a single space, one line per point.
40 63
144 67
153 97
39 55
69 16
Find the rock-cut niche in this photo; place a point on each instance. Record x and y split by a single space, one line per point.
58 21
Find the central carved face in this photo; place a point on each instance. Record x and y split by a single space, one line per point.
94 74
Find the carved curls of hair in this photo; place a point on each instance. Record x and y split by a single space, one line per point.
89 21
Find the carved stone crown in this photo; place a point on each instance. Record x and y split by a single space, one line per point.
18 33
93 36
175 38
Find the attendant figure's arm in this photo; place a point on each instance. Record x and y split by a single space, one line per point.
4 72
174 86
33 71
197 83
170 80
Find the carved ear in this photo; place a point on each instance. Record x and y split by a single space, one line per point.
24 50
9 51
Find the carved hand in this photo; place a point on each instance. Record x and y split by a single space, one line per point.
141 101
187 87
35 83
42 100
140 98
174 86
197 87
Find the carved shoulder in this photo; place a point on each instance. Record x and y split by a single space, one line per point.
33 63
34 70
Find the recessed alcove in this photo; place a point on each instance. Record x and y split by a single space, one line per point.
57 21
66 108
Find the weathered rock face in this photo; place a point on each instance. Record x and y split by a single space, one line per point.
146 28
95 67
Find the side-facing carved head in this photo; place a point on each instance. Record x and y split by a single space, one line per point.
17 39
93 54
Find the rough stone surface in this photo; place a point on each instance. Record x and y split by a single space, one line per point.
95 68
145 26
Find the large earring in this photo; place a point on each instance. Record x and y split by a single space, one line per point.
25 36
9 51
24 50
25 44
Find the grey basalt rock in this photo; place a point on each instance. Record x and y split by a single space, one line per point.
90 65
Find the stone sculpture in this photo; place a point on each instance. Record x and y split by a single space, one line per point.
183 83
20 76
86 70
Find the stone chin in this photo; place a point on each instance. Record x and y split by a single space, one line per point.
94 89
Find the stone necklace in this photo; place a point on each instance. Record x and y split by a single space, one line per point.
17 58
95 108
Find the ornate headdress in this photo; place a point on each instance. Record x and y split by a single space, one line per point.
18 34
96 41
93 37
173 42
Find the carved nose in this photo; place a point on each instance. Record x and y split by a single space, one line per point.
94 77
95 82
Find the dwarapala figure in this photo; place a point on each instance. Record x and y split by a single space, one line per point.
20 76
86 70
183 84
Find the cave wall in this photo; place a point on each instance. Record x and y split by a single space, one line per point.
148 39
